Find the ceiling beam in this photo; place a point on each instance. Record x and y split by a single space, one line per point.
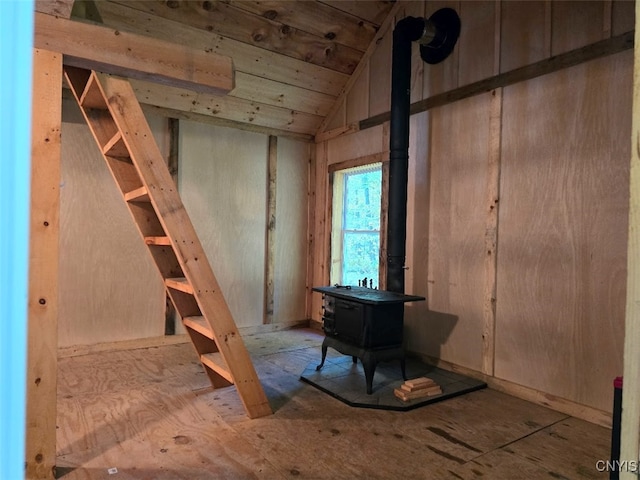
222 122
59 8
228 107
121 53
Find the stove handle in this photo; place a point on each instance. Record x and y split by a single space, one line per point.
346 306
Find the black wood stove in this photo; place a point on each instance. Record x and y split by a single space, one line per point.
366 324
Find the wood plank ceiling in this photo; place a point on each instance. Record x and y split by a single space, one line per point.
292 58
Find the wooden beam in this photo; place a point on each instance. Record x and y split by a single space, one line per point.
173 164
227 108
379 157
121 53
43 266
491 235
384 222
630 428
321 227
596 50
491 219
384 207
336 132
270 254
311 221
59 8
222 122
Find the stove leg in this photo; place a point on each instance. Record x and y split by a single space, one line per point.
355 359
402 367
369 364
324 355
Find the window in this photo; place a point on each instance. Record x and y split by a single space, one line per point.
355 240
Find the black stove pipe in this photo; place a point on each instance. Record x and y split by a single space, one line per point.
437 36
407 30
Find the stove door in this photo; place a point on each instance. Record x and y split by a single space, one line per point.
349 317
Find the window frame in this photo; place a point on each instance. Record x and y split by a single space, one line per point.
337 182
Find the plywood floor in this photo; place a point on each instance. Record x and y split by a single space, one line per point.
151 414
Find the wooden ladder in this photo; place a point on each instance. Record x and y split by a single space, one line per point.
123 135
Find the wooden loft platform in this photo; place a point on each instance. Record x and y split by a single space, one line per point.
134 56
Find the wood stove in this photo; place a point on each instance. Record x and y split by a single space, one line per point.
366 324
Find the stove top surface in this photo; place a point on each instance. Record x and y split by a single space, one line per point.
367 295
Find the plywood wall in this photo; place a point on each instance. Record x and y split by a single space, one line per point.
223 184
109 289
290 263
562 253
452 328
223 181
518 199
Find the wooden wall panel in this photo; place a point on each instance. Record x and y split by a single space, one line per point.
444 75
359 144
416 277
523 33
322 222
575 24
458 168
476 44
562 241
339 117
110 289
291 231
380 75
623 16
223 184
358 99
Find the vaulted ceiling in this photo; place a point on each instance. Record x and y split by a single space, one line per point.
292 59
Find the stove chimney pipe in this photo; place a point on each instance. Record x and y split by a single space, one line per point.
438 36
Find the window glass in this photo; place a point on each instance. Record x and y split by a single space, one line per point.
361 226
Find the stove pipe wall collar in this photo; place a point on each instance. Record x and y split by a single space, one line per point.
437 37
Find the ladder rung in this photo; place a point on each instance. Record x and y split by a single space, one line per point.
138 195
179 284
116 147
199 324
216 363
157 240
92 96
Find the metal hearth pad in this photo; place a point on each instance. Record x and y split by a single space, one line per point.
345 380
